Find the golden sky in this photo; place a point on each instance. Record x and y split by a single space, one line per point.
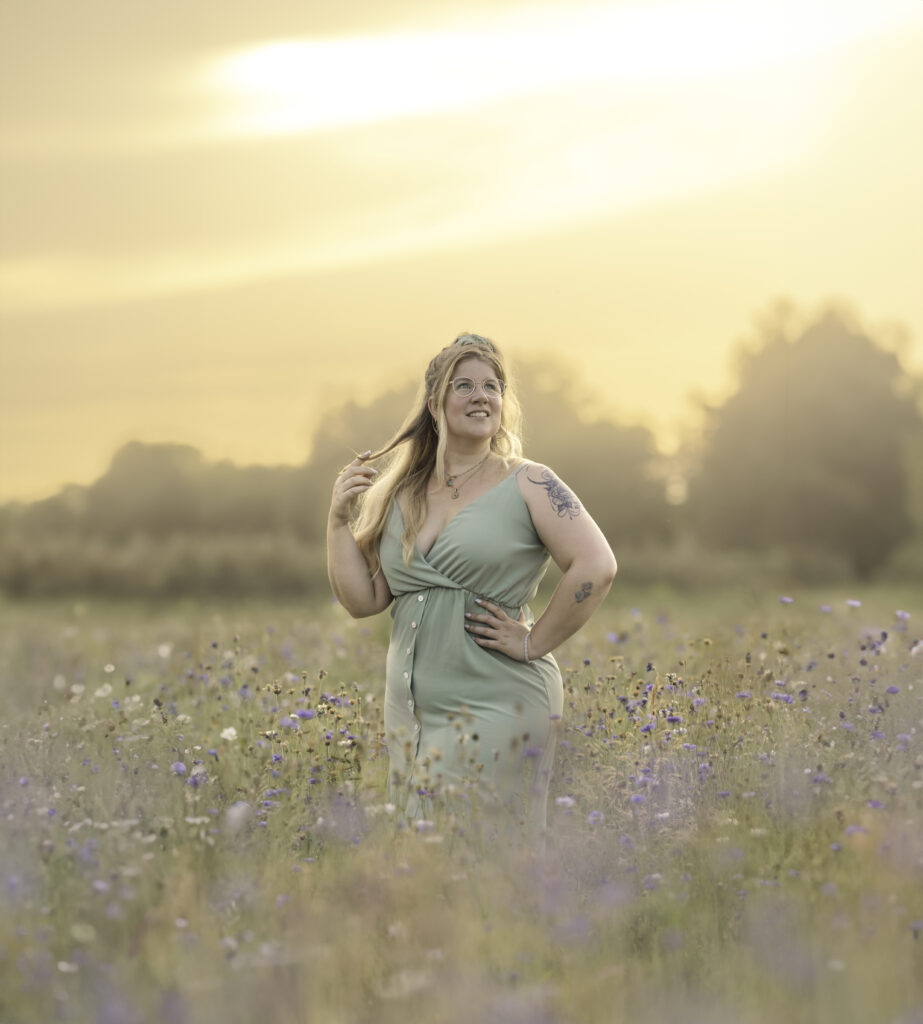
218 218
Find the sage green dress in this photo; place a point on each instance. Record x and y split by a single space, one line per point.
463 722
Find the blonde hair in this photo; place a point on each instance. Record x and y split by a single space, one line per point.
418 448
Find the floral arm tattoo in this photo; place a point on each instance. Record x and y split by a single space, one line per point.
584 592
563 501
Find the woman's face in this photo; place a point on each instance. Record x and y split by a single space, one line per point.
475 416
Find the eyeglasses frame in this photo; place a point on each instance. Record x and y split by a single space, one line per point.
479 384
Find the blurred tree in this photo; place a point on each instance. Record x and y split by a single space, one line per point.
151 489
248 499
158 490
62 513
345 432
808 452
612 468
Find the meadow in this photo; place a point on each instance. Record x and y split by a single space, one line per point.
195 825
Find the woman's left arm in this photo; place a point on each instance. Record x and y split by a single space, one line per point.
580 551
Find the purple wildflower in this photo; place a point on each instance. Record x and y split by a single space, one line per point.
636 798
874 804
304 713
851 602
178 768
786 600
893 689
596 817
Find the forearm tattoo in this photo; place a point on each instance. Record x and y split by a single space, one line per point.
563 501
584 592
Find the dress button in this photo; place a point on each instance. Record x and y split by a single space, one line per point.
413 625
410 704
406 675
409 650
419 597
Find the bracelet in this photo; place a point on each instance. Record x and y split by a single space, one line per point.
525 647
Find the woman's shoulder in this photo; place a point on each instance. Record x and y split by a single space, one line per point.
538 481
530 471
519 469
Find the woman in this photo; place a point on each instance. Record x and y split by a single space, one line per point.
457 531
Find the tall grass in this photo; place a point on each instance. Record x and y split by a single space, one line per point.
195 823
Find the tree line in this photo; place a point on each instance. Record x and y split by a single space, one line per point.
818 450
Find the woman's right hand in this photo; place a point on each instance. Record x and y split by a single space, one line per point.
353 481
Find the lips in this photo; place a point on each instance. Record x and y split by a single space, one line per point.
479 414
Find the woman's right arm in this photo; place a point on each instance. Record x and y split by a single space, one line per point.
354 587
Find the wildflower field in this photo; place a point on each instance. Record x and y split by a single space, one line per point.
195 826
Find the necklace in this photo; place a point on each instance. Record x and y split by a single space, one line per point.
452 481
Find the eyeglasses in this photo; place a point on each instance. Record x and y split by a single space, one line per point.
465 386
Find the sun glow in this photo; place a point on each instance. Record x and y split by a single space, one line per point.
294 86
481 130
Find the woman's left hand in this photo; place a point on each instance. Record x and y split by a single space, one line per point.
497 630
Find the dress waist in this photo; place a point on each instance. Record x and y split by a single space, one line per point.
468 596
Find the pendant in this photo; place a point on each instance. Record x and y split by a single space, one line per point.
455 493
